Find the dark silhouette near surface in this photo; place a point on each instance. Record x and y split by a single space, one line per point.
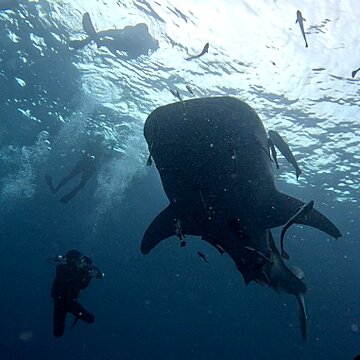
73 274
300 20
134 40
353 73
203 52
85 167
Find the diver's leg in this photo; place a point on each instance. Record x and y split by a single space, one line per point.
49 181
59 318
75 171
86 175
80 312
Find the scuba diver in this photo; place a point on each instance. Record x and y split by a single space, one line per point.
86 166
73 274
134 40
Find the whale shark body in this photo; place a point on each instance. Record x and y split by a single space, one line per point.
213 159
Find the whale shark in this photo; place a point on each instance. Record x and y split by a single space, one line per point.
213 158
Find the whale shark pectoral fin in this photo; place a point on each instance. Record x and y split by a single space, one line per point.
161 228
281 207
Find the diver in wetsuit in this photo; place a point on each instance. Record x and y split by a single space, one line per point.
86 166
72 275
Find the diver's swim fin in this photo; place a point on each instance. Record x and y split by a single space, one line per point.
90 29
74 322
66 198
79 44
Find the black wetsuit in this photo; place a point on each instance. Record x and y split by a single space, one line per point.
65 290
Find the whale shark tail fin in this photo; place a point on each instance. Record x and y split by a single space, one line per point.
283 206
164 226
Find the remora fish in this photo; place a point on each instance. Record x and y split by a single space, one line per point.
283 147
203 257
303 212
300 20
176 94
231 213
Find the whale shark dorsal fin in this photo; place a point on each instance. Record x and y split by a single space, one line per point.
281 207
163 226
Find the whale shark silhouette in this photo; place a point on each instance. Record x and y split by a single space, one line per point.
214 162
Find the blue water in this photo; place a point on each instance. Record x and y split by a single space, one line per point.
170 304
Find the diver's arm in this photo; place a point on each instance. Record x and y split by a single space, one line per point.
99 274
86 280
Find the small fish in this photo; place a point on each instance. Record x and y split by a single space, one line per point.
203 257
355 72
189 89
300 20
203 52
149 160
176 94
302 213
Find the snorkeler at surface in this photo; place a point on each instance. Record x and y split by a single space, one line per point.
86 167
134 40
